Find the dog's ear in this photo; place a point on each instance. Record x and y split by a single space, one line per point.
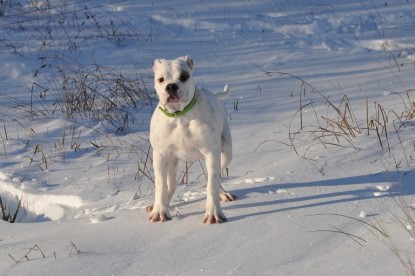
188 60
156 62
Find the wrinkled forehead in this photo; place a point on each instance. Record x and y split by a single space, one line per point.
172 68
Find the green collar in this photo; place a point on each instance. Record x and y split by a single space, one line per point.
182 112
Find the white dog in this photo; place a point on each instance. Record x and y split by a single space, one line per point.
188 124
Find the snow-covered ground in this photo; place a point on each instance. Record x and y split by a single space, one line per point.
321 116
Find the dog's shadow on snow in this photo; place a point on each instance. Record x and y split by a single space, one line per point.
360 188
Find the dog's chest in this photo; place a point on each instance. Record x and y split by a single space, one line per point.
184 139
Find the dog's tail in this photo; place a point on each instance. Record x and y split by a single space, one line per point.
223 95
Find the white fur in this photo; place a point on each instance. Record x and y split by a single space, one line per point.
201 133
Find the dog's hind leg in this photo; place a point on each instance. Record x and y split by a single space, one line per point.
225 159
226 140
214 212
226 196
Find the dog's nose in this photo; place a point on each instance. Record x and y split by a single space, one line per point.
172 89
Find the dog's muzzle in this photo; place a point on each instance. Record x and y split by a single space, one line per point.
172 90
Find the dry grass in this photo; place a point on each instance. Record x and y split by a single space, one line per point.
9 215
336 124
68 80
329 123
71 82
36 253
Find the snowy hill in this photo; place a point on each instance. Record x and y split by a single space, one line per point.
321 113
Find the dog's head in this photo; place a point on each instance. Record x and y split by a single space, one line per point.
174 82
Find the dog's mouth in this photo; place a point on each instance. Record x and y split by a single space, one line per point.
173 99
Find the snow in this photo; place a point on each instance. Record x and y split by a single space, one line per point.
306 198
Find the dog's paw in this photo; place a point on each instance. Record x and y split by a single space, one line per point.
214 219
214 215
225 197
157 214
149 208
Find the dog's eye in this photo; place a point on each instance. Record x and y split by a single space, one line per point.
184 76
161 80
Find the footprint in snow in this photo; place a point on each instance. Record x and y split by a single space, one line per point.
97 218
252 180
381 190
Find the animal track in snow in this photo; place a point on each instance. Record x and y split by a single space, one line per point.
252 180
188 196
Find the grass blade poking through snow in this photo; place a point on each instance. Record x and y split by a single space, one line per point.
377 228
7 214
337 230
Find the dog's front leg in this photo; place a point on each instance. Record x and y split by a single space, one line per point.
171 177
214 212
160 210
